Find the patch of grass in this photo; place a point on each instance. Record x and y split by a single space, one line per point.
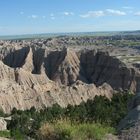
64 130
5 134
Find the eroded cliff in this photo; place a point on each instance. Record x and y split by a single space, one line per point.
39 76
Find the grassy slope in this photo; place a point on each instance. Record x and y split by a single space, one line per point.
64 130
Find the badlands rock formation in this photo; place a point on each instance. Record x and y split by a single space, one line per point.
129 127
34 75
3 124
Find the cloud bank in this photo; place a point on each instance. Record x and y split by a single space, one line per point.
107 12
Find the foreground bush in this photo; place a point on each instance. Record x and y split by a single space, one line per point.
101 110
5 134
64 130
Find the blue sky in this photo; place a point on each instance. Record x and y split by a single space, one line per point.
53 16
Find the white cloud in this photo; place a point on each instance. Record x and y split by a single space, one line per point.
43 17
68 13
91 14
115 12
137 13
128 7
36 17
53 18
52 15
21 13
33 16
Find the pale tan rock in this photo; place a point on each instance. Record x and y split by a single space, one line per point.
35 76
4 138
3 124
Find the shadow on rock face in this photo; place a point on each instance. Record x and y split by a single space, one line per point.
16 58
66 66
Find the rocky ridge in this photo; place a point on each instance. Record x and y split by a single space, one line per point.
39 76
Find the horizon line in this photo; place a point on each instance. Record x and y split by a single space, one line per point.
64 33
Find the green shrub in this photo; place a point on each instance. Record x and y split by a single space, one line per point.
17 135
64 130
100 110
5 134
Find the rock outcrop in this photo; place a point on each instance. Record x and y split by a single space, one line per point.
129 127
35 90
100 67
3 124
40 76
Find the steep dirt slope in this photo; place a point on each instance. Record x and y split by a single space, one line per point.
37 76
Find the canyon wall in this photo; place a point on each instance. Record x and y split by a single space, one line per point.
37 76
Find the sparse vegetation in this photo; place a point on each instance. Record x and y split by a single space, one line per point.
5 134
64 130
94 118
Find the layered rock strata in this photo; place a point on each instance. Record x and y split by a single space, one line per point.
38 76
